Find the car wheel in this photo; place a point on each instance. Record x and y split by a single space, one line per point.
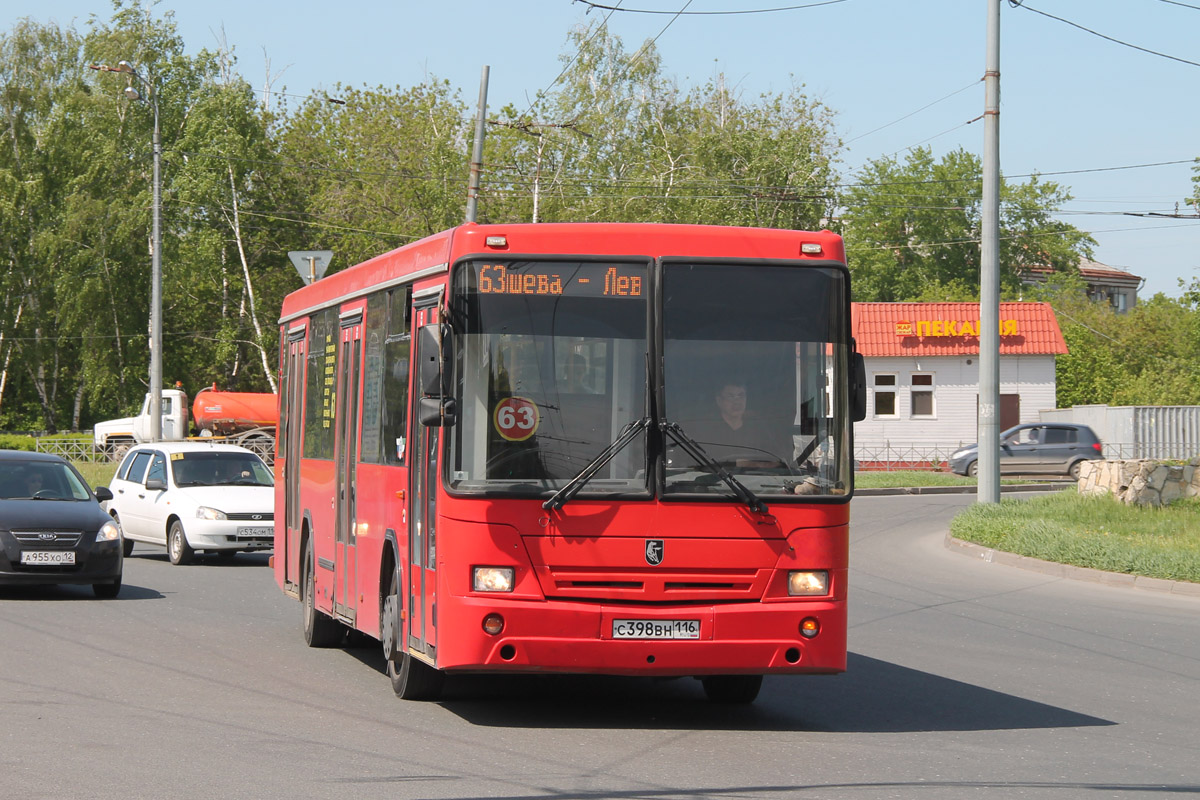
973 469
178 549
732 688
411 679
107 591
126 544
319 630
1074 469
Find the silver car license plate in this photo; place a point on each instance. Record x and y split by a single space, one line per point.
656 629
47 556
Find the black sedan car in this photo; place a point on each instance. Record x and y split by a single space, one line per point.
1055 447
52 529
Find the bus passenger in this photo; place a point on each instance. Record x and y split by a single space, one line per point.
578 375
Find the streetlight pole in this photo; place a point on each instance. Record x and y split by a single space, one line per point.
156 248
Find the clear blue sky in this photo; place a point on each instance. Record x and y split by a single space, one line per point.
1070 100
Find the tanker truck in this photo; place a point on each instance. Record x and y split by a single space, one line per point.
243 418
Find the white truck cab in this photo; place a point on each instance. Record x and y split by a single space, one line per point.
120 433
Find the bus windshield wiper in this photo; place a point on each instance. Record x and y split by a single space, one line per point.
573 486
696 451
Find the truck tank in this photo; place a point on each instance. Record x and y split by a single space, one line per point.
229 413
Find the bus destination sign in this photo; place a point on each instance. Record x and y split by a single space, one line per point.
575 280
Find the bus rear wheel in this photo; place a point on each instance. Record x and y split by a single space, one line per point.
732 688
411 679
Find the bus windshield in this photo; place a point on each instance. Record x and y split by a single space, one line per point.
551 369
753 358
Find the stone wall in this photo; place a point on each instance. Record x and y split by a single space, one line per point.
1144 482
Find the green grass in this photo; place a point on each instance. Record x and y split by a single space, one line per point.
905 478
97 474
1098 532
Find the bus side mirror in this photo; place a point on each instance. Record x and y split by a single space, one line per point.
429 350
858 388
436 412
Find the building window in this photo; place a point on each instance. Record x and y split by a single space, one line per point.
922 395
885 395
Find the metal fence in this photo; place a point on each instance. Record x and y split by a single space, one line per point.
1158 432
82 451
896 456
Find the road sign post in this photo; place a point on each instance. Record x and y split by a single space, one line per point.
311 264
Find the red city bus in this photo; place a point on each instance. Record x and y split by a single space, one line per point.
576 448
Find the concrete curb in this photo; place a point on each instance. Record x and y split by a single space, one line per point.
1054 569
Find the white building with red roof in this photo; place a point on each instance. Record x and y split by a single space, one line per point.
922 364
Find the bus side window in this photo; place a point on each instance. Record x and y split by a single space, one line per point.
396 360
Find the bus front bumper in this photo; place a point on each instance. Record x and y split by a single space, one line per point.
586 638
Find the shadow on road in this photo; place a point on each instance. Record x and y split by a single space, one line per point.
202 559
873 696
45 592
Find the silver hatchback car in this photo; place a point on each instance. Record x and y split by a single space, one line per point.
1040 447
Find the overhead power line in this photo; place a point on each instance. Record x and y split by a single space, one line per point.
1185 5
617 7
913 113
1021 4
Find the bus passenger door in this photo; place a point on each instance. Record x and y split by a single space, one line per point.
346 459
423 475
290 447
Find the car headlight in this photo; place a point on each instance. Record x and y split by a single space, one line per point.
492 579
957 454
808 583
108 532
204 512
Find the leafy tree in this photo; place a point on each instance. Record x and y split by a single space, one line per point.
42 87
915 226
381 168
618 141
1147 356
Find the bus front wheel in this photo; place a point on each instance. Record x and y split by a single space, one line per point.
411 679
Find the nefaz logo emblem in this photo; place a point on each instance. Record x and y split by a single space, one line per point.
654 552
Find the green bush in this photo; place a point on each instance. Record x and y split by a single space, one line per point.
12 441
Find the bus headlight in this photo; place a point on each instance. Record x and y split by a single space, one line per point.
492 579
810 583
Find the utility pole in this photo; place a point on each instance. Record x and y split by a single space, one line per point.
156 345
477 149
989 274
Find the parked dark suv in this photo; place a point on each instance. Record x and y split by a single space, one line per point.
1056 447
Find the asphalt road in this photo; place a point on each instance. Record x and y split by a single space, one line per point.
966 679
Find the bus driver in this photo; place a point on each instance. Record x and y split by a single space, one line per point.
733 438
